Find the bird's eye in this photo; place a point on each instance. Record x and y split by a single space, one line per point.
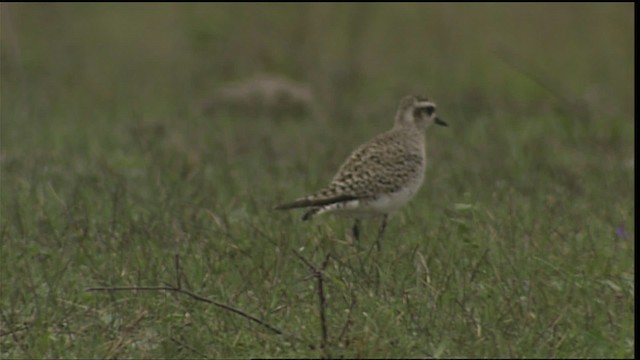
429 110
424 110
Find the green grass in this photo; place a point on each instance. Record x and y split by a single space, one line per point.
513 247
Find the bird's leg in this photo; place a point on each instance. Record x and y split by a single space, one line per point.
383 226
356 229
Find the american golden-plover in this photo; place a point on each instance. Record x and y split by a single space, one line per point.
380 175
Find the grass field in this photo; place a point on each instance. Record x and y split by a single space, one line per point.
520 243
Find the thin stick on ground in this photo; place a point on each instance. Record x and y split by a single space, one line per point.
317 273
178 289
348 322
192 295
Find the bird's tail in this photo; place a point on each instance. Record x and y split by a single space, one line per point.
316 202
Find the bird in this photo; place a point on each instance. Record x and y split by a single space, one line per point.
381 175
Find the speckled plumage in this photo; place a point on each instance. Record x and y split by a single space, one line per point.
382 174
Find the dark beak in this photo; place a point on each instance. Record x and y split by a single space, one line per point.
441 122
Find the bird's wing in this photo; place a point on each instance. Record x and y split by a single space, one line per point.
382 165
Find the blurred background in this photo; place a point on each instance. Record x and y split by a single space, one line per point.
552 73
474 59
136 129
536 94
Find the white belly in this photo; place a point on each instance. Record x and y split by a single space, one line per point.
382 204
388 203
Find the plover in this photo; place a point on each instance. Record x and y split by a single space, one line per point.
382 174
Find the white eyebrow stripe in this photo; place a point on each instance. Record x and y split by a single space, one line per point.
422 104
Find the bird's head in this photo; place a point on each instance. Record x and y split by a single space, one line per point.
417 111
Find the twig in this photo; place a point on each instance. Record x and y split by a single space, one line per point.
317 273
305 261
347 323
323 320
192 295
